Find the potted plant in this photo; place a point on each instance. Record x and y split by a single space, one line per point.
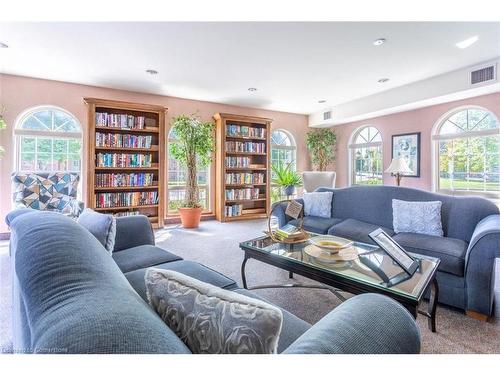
321 146
3 125
286 177
193 150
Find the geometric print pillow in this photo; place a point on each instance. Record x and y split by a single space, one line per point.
45 191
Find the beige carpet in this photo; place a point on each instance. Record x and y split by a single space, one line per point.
216 245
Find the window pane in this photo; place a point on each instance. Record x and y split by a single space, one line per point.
31 123
44 145
60 145
64 122
60 162
28 144
27 161
75 146
367 166
44 162
74 162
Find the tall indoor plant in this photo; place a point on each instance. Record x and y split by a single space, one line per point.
321 146
193 150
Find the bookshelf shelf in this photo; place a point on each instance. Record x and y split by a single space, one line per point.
132 124
242 158
125 207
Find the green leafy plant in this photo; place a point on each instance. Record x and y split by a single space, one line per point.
321 146
284 176
193 150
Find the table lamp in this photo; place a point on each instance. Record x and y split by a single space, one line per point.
399 167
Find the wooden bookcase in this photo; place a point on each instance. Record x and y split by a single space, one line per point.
253 151
111 166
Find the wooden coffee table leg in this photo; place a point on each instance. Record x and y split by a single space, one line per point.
431 309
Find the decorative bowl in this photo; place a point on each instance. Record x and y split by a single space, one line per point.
331 244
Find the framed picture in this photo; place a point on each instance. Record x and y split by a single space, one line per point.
395 251
407 146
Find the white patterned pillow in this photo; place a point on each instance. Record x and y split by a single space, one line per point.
212 320
318 204
417 217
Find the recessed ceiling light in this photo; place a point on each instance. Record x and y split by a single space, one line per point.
3 45
467 42
252 89
152 72
383 80
379 41
321 101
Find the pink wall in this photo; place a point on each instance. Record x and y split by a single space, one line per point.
419 120
21 93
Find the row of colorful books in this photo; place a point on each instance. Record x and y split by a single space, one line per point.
233 210
108 200
235 146
245 131
245 193
114 120
245 178
122 140
237 161
123 179
126 213
123 160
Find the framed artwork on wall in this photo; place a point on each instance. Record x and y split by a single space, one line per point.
407 146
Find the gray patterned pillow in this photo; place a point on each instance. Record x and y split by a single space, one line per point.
211 320
417 217
318 204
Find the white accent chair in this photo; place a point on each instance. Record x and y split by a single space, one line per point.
314 180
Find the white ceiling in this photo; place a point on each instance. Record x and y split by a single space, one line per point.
293 65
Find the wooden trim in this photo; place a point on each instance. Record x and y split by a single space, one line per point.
242 118
117 104
477 316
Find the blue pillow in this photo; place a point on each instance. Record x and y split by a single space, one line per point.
318 204
102 226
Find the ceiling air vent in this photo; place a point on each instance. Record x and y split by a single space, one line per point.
484 74
327 115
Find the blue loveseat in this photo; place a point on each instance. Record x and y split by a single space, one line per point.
71 296
467 251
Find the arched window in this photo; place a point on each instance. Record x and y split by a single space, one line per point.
283 148
366 157
176 179
467 153
48 139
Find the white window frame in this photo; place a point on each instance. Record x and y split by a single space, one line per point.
19 132
436 137
292 148
180 187
352 147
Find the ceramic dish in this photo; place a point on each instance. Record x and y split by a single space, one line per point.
331 244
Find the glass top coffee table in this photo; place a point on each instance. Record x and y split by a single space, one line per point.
372 271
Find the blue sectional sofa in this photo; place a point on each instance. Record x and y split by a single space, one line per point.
71 296
467 251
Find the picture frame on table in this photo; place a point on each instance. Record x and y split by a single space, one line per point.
407 146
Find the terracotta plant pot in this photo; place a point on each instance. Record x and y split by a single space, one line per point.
190 217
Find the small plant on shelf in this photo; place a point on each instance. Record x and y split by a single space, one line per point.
193 150
285 177
321 146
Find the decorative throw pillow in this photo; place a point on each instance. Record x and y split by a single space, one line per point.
318 204
417 217
102 226
211 320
